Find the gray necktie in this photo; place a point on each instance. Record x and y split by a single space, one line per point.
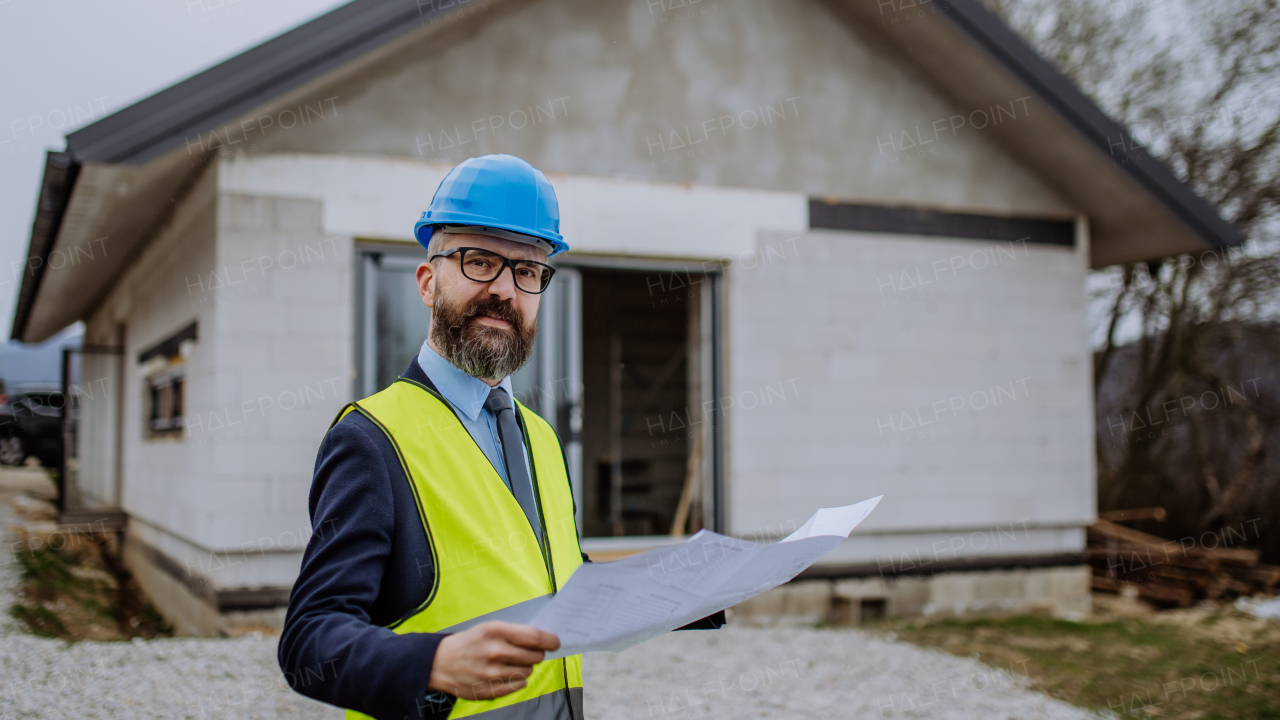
499 403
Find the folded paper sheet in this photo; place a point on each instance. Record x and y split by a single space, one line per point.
614 605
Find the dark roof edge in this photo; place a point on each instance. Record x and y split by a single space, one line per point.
153 126
996 38
161 122
60 173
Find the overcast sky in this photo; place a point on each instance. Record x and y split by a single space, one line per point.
64 64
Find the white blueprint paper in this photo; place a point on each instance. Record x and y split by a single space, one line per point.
614 605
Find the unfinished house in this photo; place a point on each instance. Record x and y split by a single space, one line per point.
821 251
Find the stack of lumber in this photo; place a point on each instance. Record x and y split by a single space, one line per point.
1171 572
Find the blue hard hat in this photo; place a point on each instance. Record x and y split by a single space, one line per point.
496 192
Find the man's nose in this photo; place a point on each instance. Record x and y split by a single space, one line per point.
504 286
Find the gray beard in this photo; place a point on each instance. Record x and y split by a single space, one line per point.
481 351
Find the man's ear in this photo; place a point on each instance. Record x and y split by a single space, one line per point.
426 275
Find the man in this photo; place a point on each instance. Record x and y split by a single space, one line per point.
441 509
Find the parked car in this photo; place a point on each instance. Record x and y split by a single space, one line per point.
31 426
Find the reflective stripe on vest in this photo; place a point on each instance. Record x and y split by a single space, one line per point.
486 557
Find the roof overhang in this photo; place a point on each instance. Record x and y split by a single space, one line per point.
120 177
1137 208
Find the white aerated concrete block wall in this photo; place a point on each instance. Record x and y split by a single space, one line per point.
162 478
283 318
951 376
270 369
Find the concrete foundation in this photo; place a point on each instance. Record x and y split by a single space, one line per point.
190 603
1060 591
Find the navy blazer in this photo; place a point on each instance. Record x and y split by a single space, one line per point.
367 565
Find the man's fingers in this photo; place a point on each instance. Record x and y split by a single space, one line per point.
525 636
489 660
511 673
508 654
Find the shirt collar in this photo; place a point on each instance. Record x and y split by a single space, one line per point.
466 393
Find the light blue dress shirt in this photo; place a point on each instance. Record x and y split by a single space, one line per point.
466 394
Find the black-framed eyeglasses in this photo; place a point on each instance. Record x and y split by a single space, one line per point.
485 266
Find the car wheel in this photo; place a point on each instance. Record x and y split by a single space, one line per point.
12 451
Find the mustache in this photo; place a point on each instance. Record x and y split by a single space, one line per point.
493 307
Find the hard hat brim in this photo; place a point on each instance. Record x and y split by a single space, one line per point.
423 228
537 242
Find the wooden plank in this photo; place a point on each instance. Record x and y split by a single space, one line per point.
1177 595
1153 513
1108 529
1246 557
1225 584
1161 573
1105 529
1265 575
1148 591
1131 554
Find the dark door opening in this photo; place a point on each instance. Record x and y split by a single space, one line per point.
643 443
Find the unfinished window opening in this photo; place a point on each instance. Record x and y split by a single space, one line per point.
645 439
165 395
164 368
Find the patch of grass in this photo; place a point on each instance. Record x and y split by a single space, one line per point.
48 573
1225 665
39 619
79 593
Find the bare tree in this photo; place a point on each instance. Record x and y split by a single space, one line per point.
1198 83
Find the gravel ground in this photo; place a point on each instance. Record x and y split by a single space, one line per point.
798 673
731 673
169 678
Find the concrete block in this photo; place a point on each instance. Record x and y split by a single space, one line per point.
305 427
292 215
860 588
1063 591
805 602
293 352
237 493
268 457
191 613
318 282
245 212
292 495
1067 591
907 596
188 614
951 593
253 319
1000 587
329 316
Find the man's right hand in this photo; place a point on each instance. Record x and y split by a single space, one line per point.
489 660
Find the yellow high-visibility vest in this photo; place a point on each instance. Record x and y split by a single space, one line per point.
486 558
